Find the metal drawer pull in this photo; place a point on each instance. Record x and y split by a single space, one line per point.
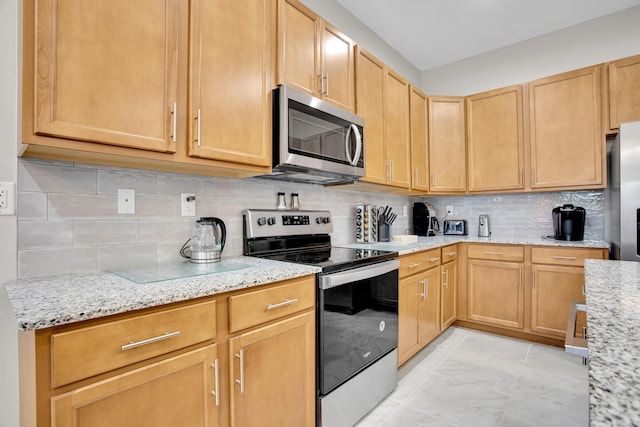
446 274
434 259
164 336
214 365
174 113
572 258
452 254
241 380
584 290
414 265
494 253
282 304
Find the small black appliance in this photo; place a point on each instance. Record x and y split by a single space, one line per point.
425 222
568 222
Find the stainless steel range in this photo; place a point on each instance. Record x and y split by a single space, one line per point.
357 309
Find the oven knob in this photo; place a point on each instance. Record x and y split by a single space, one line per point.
318 220
262 221
272 220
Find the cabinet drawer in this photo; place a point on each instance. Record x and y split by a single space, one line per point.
496 252
449 253
417 262
253 308
564 256
123 342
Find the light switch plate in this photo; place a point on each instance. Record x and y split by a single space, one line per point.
126 201
7 198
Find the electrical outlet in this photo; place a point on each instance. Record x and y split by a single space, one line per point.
188 204
126 201
7 198
449 210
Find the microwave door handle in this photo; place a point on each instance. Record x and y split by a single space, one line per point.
353 129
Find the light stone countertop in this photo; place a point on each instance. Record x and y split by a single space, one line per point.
613 325
432 242
56 300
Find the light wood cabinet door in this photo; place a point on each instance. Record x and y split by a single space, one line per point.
566 138
299 47
624 91
231 79
397 141
272 374
429 306
449 294
447 146
553 289
419 140
418 312
495 294
495 140
339 68
370 82
409 290
172 392
107 72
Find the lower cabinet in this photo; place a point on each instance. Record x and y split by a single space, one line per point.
449 295
241 359
495 294
273 374
180 390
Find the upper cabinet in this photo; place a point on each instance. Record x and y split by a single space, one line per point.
313 56
105 72
567 142
624 91
495 140
231 80
447 147
178 86
419 140
383 101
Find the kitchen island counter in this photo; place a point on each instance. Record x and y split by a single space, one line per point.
613 325
432 242
57 300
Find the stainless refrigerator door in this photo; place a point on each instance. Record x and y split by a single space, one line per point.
629 139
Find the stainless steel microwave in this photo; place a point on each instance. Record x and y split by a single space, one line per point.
314 141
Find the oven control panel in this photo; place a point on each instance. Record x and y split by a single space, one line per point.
272 223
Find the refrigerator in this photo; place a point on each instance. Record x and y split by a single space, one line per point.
622 196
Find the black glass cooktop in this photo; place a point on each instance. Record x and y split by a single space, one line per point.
334 258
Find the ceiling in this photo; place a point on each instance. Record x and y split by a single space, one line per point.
432 33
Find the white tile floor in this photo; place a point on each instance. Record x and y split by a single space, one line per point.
471 378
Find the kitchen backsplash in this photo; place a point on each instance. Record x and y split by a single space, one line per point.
68 220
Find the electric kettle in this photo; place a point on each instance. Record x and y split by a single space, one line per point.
207 242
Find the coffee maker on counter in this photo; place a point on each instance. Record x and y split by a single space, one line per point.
425 222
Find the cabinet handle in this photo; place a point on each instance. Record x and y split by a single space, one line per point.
584 290
446 282
198 127
432 181
520 177
584 332
533 281
282 304
162 337
423 289
391 163
520 279
214 365
571 258
241 380
434 259
494 253
452 254
174 113
414 265
417 181
327 85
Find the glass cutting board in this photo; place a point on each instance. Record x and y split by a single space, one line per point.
181 270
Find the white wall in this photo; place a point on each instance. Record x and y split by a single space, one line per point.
342 19
600 40
8 242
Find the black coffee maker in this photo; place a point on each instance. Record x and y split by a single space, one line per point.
425 222
568 222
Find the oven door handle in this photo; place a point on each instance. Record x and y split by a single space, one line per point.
332 280
353 129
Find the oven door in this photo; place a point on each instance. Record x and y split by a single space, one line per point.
357 321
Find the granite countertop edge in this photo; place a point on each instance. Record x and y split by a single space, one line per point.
44 302
613 322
